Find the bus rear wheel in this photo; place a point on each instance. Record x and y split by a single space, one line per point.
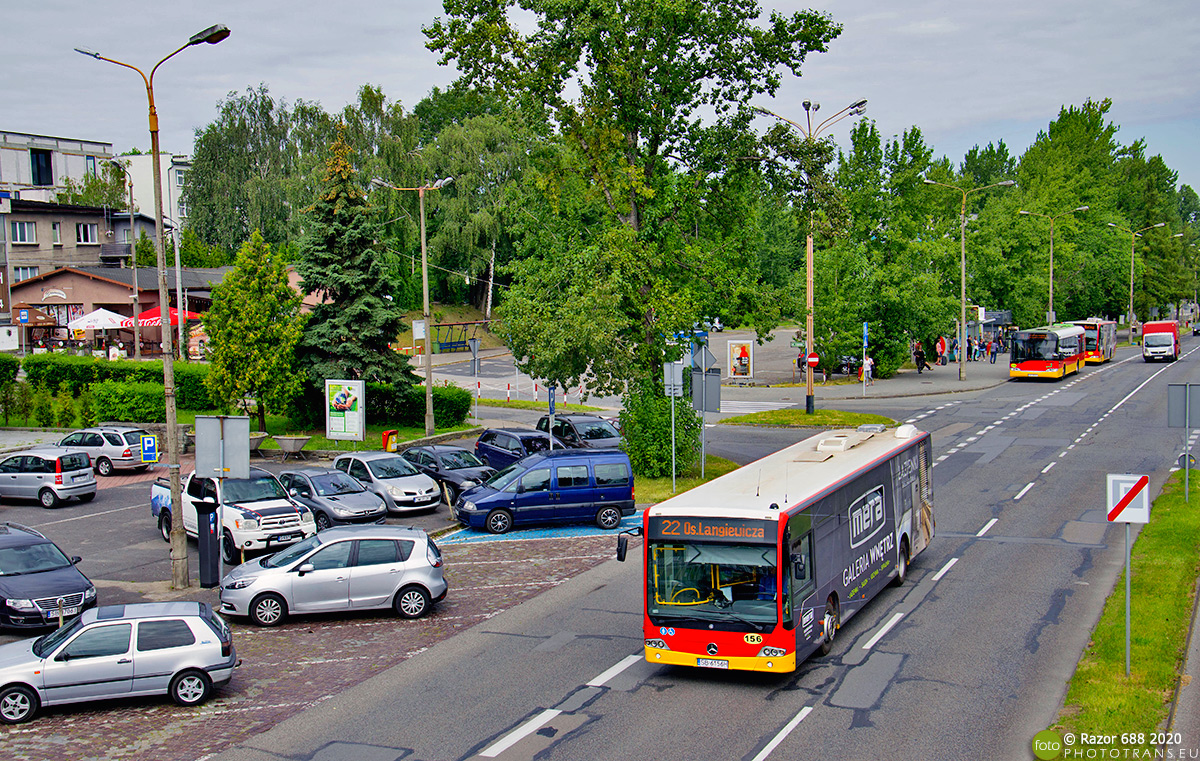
901 565
832 621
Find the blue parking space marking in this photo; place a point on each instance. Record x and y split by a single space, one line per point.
473 536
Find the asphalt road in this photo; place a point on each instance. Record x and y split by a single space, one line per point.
536 651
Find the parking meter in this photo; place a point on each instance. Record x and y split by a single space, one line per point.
208 536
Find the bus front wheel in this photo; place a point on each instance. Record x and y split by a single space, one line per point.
832 621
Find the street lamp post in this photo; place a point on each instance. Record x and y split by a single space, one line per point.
179 564
962 261
137 307
427 354
1133 236
1050 302
810 133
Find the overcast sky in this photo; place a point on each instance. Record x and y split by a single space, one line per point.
966 73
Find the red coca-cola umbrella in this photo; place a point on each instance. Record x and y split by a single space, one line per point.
152 318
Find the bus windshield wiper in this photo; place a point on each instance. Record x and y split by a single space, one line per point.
717 616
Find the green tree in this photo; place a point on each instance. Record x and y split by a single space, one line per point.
143 249
105 188
338 260
194 252
23 400
87 408
43 408
64 406
253 327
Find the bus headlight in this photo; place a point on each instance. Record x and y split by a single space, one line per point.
772 652
658 643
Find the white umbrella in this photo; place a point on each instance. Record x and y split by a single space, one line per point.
101 319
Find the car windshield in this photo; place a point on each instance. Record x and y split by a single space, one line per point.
505 477
43 646
391 467
32 558
596 429
459 460
336 483
1159 339
291 554
257 489
712 582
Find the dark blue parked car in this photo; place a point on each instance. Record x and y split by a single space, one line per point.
501 447
562 486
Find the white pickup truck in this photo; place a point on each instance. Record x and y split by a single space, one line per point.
257 512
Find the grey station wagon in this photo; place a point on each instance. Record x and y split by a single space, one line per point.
181 649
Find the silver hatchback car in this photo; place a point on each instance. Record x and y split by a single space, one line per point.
181 649
47 474
402 486
340 568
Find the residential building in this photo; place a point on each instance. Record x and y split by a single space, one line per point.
174 168
34 167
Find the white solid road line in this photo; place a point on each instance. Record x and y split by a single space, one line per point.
987 526
783 733
514 737
886 628
949 564
625 663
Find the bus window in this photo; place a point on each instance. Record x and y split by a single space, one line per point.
802 567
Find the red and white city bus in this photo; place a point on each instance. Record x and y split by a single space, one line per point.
1099 340
1055 351
758 569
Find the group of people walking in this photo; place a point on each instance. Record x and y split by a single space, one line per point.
977 349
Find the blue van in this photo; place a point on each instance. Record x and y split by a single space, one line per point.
559 486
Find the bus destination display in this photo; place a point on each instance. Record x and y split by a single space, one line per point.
726 529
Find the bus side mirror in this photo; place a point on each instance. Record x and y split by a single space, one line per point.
799 569
622 547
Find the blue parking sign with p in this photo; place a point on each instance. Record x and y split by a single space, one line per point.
149 448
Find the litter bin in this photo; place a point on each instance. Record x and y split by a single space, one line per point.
391 441
208 537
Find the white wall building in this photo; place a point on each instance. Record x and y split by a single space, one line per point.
174 168
33 167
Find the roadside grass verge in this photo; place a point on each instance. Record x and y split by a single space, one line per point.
655 490
1166 560
525 404
798 418
278 425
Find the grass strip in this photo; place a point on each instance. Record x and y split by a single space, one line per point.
798 418
655 490
525 404
1101 700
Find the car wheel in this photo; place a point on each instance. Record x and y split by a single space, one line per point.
499 521
901 565
87 497
164 525
268 610
18 703
104 467
48 498
450 493
190 688
229 551
831 623
412 602
608 517
322 520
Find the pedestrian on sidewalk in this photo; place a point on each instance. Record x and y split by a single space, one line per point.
868 370
994 349
919 359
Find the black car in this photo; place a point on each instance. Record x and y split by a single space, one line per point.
583 431
37 581
501 447
454 468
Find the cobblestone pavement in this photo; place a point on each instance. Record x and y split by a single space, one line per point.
305 661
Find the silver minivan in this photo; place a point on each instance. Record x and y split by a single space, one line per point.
47 474
181 649
340 568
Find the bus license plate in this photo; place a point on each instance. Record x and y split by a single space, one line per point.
709 663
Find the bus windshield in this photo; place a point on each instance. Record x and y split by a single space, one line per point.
733 584
1038 346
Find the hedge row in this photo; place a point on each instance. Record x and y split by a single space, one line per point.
9 365
401 406
51 370
123 401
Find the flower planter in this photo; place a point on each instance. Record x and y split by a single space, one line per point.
256 440
291 445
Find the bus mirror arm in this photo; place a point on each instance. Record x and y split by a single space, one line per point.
798 566
623 541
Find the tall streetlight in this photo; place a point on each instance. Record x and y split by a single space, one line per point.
810 133
1050 302
137 306
1133 236
424 292
962 295
179 564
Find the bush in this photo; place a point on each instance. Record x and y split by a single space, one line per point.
451 405
646 429
23 401
64 407
9 365
43 408
51 370
87 409
190 391
119 401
